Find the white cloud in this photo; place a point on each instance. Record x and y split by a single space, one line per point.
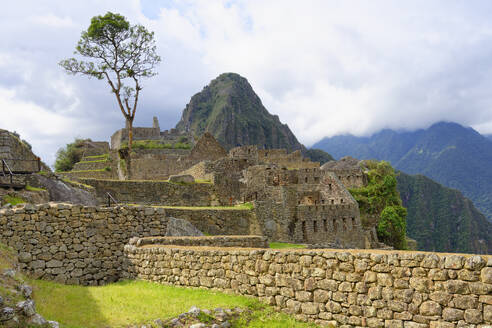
325 67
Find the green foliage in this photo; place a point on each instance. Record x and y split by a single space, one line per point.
121 54
107 169
12 200
31 188
380 198
392 226
68 156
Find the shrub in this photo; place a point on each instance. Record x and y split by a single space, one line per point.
380 198
68 156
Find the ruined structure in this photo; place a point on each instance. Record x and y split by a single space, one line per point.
293 199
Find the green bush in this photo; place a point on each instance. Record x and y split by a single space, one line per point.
68 156
380 198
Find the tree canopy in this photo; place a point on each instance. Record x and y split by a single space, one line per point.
380 198
121 54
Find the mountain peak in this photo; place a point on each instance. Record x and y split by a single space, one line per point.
231 111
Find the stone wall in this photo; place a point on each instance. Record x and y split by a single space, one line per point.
207 241
18 154
76 244
157 192
218 221
358 288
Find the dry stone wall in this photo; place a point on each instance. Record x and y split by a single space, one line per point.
157 192
218 221
76 244
347 289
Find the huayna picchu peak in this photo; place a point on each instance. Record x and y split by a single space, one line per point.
232 112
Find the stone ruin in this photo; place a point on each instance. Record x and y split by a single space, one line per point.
295 200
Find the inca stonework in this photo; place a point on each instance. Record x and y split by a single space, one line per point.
294 199
346 289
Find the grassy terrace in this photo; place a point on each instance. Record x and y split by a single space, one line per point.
245 206
140 302
128 303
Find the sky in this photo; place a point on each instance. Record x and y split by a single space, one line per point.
325 67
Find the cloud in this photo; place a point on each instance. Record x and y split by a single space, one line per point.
325 67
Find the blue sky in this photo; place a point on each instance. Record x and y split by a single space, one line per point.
325 67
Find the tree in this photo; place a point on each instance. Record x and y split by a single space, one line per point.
118 52
380 198
68 156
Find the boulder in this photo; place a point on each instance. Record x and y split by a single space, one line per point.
185 178
180 227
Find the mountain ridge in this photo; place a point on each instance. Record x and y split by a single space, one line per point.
455 156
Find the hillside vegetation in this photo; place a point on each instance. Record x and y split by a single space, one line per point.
441 219
380 199
448 153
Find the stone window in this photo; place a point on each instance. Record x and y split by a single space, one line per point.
306 179
325 226
341 201
315 226
304 232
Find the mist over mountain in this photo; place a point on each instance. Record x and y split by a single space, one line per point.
453 155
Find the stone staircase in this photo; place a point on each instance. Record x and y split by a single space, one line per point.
97 167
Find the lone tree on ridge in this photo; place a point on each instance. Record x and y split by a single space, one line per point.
120 53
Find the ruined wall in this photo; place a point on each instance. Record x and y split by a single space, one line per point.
76 244
369 289
281 158
121 135
157 192
12 149
219 221
304 206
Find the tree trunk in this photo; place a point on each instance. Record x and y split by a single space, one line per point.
130 142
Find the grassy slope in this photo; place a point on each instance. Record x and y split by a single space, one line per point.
132 302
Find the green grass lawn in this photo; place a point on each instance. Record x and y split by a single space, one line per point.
285 245
138 302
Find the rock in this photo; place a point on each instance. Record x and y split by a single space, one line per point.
53 324
454 262
194 311
486 275
25 257
26 307
185 178
61 191
1 300
450 314
180 227
430 308
37 320
6 313
26 291
198 325
473 316
9 273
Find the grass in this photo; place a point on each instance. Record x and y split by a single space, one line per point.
139 302
94 157
81 171
77 184
245 206
13 200
275 245
31 188
94 161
